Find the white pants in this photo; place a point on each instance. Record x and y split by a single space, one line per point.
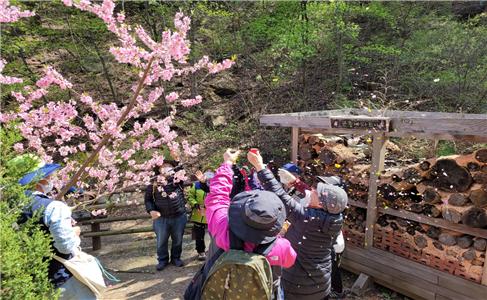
73 289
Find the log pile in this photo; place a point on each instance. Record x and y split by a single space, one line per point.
452 188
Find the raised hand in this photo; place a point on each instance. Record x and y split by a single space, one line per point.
286 177
200 176
256 160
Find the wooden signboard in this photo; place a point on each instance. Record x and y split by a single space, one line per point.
361 122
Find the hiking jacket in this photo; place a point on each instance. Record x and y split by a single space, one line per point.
56 222
170 203
217 203
196 198
312 233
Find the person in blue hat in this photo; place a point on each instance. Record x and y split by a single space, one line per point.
56 220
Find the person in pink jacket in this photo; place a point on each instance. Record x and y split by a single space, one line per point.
256 217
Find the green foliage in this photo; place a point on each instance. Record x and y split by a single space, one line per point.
24 247
446 148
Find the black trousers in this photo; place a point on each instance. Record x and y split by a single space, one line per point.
198 234
336 275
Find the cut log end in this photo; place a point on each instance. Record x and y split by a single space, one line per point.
448 176
431 196
447 239
420 241
465 241
479 197
425 165
457 199
469 254
475 217
480 244
481 155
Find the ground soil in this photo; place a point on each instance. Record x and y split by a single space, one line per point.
131 258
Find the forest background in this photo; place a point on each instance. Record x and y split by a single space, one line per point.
290 56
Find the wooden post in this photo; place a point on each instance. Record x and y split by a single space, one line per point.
294 144
95 240
378 154
484 271
362 284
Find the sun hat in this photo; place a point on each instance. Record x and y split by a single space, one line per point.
256 216
39 173
333 198
290 167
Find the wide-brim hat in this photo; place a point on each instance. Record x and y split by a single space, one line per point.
39 174
333 198
256 216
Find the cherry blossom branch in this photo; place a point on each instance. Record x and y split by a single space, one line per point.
107 137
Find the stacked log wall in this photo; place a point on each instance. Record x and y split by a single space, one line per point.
447 190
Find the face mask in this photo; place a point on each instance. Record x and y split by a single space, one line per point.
46 188
167 171
209 175
307 198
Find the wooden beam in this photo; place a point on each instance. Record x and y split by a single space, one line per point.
294 144
117 232
116 219
442 223
124 231
378 155
399 273
401 122
357 203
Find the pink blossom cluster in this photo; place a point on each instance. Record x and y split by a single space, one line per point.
99 212
192 102
54 129
9 13
189 150
50 77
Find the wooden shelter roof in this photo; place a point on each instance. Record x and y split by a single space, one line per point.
399 123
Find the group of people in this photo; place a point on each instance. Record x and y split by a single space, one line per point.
295 229
253 207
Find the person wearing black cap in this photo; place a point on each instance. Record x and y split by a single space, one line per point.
312 233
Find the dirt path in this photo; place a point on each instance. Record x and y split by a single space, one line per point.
132 259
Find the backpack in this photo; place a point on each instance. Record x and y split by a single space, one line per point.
234 274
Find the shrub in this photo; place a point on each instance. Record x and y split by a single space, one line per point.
24 247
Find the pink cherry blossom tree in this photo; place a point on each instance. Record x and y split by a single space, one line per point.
87 135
